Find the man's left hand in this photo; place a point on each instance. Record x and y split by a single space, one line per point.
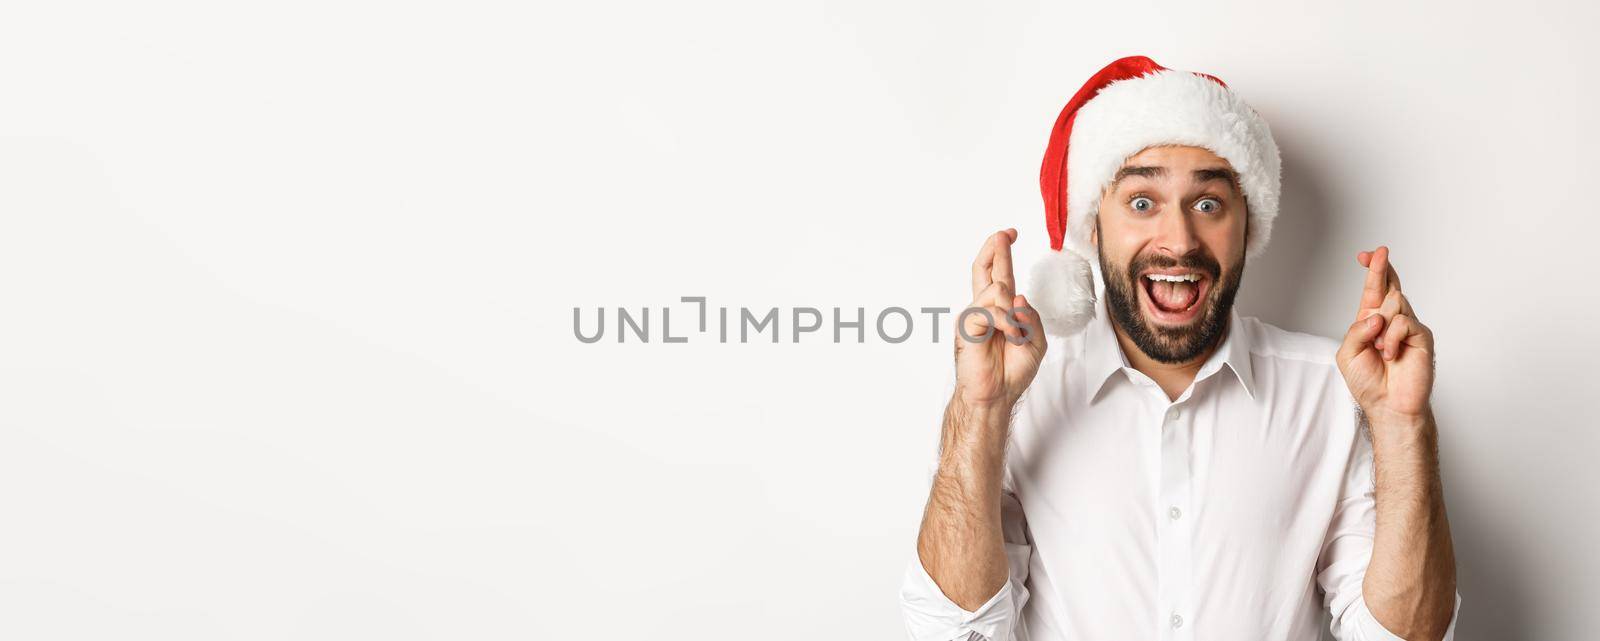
1387 356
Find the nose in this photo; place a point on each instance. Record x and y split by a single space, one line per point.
1175 232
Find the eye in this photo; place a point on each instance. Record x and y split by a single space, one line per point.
1208 206
1142 203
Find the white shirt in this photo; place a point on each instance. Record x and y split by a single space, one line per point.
1239 511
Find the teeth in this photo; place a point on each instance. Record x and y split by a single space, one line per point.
1182 278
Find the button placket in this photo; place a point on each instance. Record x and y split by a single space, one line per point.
1175 548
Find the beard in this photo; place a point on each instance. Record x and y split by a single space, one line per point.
1163 343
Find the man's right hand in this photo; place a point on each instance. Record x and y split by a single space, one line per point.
993 370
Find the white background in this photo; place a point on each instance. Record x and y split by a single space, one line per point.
286 295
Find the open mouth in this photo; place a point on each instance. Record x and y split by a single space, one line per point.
1172 296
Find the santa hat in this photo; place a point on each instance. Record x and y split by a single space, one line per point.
1130 105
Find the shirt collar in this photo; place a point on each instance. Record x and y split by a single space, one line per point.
1103 355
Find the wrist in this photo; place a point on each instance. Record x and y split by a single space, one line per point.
981 425
985 410
974 437
1402 427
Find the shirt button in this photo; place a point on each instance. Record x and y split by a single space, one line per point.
1172 414
1175 513
1177 621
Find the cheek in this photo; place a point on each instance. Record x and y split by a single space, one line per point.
1225 237
1121 237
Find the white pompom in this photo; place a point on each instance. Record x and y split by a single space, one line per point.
1062 287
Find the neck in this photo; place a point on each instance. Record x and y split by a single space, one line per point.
1173 378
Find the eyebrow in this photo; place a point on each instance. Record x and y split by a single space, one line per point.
1200 175
1147 172
1218 173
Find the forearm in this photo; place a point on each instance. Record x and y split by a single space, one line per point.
961 544
1410 583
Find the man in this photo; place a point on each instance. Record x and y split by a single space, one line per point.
1176 471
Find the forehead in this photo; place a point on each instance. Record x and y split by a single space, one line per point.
1178 159
1176 166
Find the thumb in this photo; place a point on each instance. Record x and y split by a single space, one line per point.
1360 336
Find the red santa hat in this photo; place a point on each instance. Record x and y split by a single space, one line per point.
1130 105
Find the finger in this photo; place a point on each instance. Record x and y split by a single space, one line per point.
982 265
1391 275
1377 279
1404 304
1421 338
1001 272
996 294
1359 336
1028 318
1008 327
1393 304
1364 258
977 323
981 322
1394 337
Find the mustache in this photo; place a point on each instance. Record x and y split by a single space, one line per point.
1195 260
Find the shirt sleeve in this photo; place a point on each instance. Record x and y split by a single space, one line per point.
932 616
1347 550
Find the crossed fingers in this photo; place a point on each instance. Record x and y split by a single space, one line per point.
994 288
1381 295
993 265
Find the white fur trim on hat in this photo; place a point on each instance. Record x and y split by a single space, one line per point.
1168 108
1062 291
